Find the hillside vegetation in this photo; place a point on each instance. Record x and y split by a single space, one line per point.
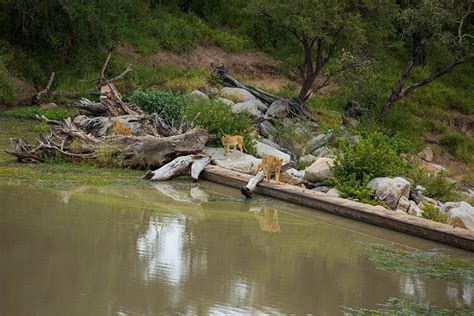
359 50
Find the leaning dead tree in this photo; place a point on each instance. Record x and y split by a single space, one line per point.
296 108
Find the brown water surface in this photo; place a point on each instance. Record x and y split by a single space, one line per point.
182 247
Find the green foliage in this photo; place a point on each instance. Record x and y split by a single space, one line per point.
31 112
399 307
7 90
169 105
218 119
460 146
433 213
373 156
422 263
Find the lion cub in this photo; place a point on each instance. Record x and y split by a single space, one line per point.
120 129
232 141
269 164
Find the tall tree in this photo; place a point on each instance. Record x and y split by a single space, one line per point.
323 29
447 23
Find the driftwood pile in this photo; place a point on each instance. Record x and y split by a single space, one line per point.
114 133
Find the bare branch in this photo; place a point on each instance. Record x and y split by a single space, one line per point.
37 97
122 75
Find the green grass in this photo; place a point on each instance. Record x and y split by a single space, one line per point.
395 306
31 112
421 263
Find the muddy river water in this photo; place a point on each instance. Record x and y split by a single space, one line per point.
195 248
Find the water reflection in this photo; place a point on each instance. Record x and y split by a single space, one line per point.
191 248
267 218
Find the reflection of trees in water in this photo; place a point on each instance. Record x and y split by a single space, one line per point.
268 219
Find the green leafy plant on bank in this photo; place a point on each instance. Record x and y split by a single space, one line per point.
218 119
355 165
433 213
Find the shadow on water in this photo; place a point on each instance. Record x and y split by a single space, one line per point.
198 248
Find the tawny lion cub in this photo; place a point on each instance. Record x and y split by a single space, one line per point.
232 141
269 164
120 129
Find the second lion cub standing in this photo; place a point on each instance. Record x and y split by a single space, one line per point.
269 164
232 141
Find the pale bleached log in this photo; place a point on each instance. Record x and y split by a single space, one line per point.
172 168
198 165
252 184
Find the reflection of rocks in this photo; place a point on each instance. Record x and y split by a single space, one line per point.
195 194
268 219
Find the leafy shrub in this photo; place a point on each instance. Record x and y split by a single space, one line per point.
218 119
373 156
458 145
433 213
7 89
170 105
31 112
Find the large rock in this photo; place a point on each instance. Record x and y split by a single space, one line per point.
318 142
267 129
226 101
460 214
432 167
259 104
333 192
292 176
237 95
325 151
319 170
426 154
271 143
279 108
308 159
249 107
264 149
199 95
390 190
235 160
414 209
403 204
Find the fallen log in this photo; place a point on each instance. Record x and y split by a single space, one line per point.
248 189
198 165
172 169
193 164
75 142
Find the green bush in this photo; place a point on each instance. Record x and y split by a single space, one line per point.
433 213
218 119
169 105
31 112
373 156
7 90
437 186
